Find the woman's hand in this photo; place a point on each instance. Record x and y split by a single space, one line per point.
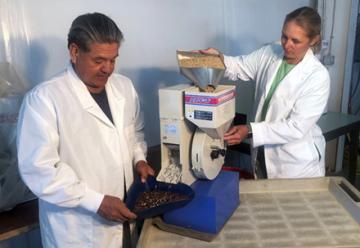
236 134
210 50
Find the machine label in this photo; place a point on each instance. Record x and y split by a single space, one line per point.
170 129
203 115
209 100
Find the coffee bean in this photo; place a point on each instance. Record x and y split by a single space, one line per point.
156 198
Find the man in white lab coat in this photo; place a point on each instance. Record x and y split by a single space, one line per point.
80 139
291 93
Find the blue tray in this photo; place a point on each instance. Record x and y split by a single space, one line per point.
151 184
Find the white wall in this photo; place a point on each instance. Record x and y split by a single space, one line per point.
342 39
154 30
339 40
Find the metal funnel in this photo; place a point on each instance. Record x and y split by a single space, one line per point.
202 69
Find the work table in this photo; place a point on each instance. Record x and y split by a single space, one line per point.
24 217
316 212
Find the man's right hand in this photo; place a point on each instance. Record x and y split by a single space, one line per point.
114 209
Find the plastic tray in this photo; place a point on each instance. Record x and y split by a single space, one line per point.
151 184
319 212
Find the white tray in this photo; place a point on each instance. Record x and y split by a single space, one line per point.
319 212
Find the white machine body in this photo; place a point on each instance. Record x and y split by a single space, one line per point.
212 112
192 126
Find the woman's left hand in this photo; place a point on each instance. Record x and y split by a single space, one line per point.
236 134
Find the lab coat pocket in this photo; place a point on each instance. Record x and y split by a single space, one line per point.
298 153
319 144
318 152
297 159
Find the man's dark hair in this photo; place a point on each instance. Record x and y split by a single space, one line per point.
93 28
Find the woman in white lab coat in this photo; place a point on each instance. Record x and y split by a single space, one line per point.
291 93
80 139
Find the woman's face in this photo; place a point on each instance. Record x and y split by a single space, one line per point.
295 42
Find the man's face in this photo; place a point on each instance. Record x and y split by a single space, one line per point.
295 42
95 66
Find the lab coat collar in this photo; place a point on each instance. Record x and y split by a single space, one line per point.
308 56
86 100
301 69
117 104
304 66
294 77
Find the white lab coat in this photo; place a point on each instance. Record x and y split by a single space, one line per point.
294 146
71 155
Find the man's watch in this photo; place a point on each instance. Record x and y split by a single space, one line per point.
250 134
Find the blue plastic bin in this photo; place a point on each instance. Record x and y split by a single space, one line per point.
213 204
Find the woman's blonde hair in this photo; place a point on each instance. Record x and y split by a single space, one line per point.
310 21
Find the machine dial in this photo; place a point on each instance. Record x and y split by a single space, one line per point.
207 155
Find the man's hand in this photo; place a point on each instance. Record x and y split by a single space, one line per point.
114 209
144 170
236 134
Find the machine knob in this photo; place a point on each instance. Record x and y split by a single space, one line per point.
215 153
222 152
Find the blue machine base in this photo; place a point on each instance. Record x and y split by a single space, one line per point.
213 204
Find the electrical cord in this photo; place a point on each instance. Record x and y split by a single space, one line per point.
332 27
